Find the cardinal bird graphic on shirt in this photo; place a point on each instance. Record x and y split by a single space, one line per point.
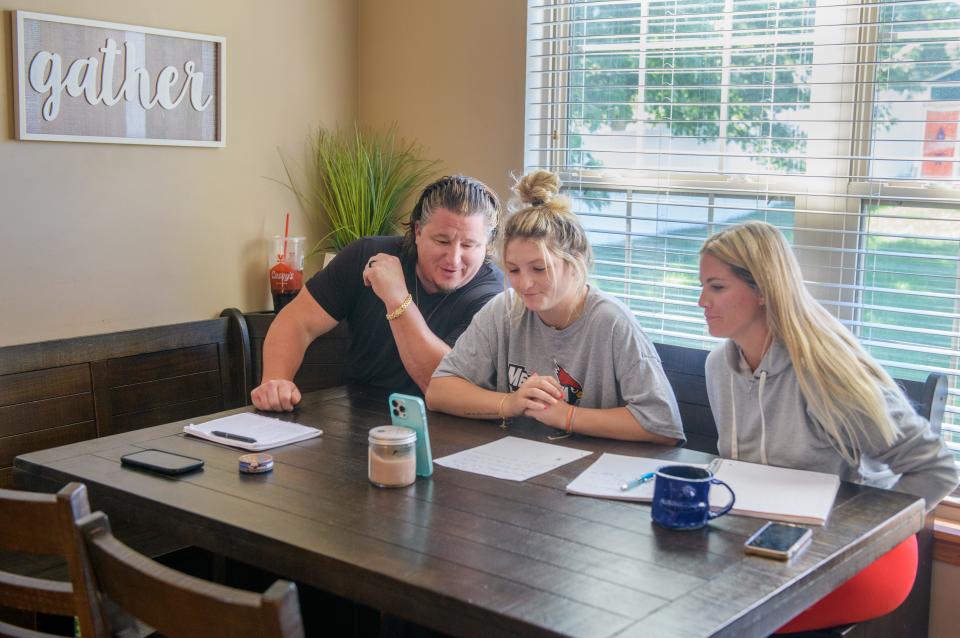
573 388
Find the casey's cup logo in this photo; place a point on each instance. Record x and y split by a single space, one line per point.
283 278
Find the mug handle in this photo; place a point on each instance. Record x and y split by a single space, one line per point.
729 506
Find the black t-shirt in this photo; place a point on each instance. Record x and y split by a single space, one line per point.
372 358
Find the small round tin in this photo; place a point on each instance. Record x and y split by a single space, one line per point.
256 463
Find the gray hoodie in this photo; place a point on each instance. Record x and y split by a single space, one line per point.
774 426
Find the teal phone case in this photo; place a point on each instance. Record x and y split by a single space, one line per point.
409 412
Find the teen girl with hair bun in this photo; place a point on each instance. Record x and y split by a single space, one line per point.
792 387
552 347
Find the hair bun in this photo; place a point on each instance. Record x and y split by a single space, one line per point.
537 188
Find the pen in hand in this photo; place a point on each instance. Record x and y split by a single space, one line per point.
235 437
629 485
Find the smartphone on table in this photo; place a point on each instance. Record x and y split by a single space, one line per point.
408 411
161 462
778 540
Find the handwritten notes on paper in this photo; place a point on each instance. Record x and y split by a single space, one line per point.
512 458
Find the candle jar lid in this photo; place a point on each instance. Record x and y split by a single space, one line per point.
256 463
392 435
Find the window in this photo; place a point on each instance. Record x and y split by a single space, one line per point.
835 120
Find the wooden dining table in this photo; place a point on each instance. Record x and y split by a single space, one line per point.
467 554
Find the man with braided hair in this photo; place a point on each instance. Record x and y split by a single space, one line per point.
406 299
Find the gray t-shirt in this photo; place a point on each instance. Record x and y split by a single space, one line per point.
602 360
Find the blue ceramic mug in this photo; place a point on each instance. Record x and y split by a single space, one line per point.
681 497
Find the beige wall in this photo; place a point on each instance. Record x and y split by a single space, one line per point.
451 74
102 237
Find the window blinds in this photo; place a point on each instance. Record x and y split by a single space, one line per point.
836 121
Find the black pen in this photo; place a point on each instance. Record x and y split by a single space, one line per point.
235 437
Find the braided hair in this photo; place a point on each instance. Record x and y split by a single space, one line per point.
459 194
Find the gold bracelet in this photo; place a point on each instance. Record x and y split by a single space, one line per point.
503 419
400 309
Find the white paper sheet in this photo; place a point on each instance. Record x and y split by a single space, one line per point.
776 493
512 458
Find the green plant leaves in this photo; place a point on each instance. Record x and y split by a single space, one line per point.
355 182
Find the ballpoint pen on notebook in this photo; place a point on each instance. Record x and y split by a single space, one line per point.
235 437
629 485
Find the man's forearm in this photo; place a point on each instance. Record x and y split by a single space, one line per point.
295 328
420 350
283 350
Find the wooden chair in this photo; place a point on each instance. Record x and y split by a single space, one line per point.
46 524
178 605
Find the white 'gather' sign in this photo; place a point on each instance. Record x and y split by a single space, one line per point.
90 81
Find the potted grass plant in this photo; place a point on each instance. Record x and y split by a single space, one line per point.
355 182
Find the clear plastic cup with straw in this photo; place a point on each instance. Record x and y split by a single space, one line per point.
286 268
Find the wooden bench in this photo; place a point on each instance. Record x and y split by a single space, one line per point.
58 392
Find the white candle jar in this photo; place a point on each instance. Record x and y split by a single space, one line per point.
392 456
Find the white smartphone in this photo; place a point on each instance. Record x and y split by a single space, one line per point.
778 540
410 412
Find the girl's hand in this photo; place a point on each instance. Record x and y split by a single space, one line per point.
534 395
554 415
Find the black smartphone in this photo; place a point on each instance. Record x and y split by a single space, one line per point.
161 462
778 540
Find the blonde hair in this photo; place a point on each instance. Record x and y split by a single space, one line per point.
843 385
539 213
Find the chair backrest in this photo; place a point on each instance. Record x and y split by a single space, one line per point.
46 524
176 604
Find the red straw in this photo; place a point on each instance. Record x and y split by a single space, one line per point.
286 231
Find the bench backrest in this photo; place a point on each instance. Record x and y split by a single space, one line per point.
58 392
322 363
685 370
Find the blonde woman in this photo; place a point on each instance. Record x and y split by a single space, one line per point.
792 387
552 347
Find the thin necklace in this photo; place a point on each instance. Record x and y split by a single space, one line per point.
416 295
575 312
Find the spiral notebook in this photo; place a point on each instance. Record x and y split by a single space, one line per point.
763 491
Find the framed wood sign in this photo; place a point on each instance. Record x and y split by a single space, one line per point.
83 80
